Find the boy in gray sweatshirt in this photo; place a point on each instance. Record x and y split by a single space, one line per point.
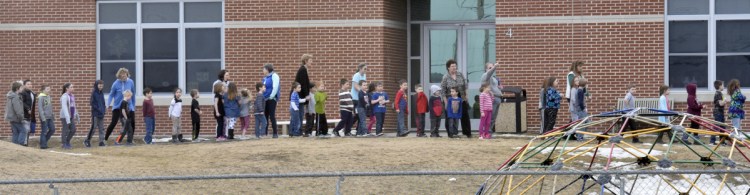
14 112
47 117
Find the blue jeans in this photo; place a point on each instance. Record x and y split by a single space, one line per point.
150 126
261 125
48 129
379 116
718 118
301 114
737 122
294 124
401 122
17 128
361 127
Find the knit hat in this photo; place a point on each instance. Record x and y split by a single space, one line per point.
434 88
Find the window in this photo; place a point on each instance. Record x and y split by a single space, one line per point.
707 40
169 45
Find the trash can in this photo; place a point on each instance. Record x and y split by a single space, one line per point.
511 117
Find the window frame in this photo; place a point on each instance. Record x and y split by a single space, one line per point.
711 18
181 27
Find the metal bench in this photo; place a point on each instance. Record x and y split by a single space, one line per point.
285 125
652 103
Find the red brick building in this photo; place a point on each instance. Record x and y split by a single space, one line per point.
184 43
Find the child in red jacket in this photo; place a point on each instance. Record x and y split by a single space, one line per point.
402 108
421 109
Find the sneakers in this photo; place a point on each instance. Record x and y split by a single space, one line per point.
118 143
129 144
380 134
87 143
221 139
101 144
481 138
435 135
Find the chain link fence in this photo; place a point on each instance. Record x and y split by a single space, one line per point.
415 182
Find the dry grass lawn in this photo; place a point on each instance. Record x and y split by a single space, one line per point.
263 156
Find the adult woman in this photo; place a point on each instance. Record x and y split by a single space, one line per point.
120 85
304 80
490 79
223 77
272 83
358 76
455 79
575 70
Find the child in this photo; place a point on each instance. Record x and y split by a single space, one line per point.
379 99
175 113
454 112
718 111
346 107
259 111
320 109
14 112
149 115
294 101
552 104
310 114
542 106
362 107
370 109
401 108
664 105
219 111
47 116
421 109
580 102
96 101
436 110
125 120
572 101
694 108
736 112
195 114
485 106
245 108
231 109
69 115
630 104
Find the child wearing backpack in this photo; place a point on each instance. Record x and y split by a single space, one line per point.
454 113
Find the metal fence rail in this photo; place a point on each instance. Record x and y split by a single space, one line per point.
622 182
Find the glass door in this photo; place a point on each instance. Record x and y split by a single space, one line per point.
471 45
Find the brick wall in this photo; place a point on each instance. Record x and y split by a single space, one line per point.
517 8
46 11
264 10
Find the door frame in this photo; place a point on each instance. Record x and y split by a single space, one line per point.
461 54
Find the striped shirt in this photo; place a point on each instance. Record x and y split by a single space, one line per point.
345 101
485 102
